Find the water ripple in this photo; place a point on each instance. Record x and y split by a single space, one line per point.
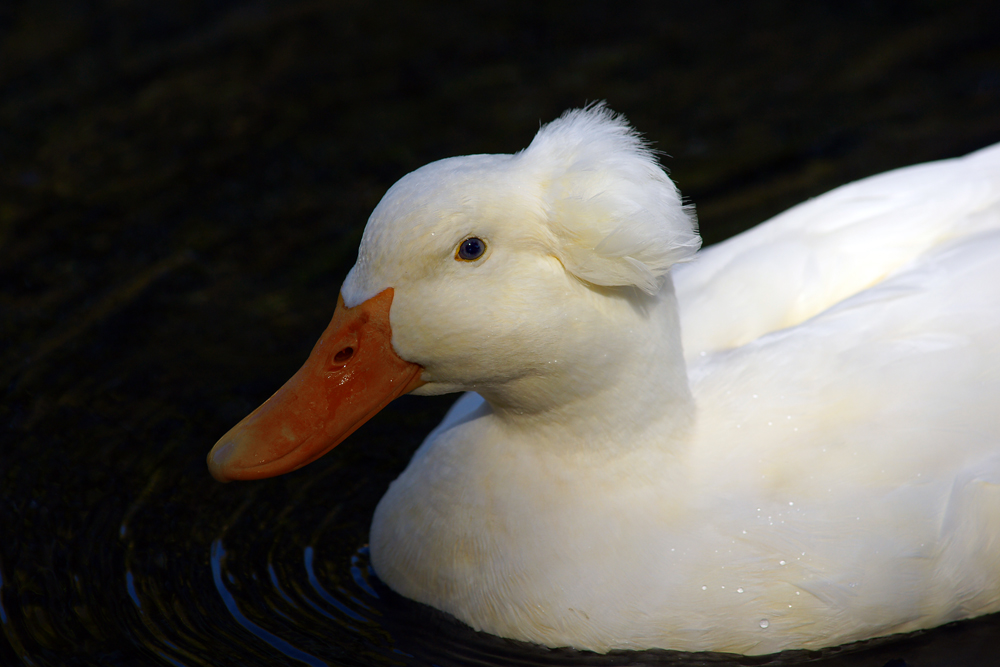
218 556
329 599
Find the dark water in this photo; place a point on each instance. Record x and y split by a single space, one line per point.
182 189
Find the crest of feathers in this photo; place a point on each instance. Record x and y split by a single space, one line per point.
615 216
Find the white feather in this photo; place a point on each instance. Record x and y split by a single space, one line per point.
617 218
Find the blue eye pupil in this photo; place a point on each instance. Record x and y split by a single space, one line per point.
471 249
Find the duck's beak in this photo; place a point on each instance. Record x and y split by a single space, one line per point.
352 373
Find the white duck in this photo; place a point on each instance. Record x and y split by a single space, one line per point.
822 466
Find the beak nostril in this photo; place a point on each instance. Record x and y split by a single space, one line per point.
343 355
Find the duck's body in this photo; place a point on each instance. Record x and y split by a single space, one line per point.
819 462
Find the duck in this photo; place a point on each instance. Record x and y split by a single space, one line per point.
786 440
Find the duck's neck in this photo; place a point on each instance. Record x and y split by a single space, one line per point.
618 383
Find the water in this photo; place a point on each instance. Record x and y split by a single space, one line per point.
182 189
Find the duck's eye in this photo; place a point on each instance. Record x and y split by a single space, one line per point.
471 249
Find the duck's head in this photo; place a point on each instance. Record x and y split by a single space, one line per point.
493 273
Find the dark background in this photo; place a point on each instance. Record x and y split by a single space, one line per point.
182 189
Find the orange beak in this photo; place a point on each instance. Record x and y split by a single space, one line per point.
352 373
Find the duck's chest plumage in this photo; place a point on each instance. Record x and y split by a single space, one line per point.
514 540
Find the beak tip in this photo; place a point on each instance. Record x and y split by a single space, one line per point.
218 458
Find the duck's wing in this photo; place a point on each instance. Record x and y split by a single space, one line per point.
878 418
916 352
819 253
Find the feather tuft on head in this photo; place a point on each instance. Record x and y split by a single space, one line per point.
615 216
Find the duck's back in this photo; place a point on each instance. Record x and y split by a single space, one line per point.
845 360
819 253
